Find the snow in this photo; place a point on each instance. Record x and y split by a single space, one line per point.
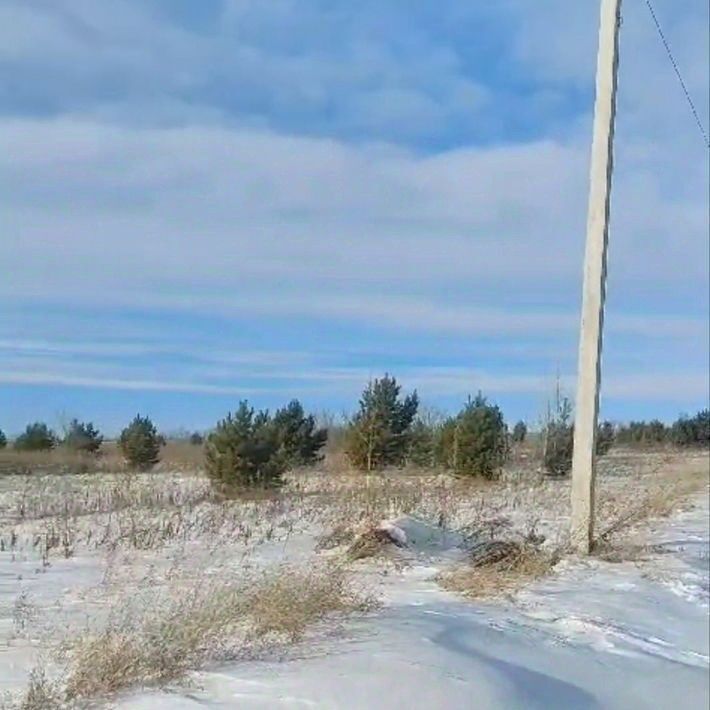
595 635
395 533
422 540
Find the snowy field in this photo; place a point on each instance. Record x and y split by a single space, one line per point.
80 555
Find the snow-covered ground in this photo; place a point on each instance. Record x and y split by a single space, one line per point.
594 635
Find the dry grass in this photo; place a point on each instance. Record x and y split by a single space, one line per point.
181 456
288 602
340 535
175 456
157 645
624 510
58 461
369 543
45 496
41 694
161 641
141 520
65 515
524 564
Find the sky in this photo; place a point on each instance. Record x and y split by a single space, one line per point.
209 201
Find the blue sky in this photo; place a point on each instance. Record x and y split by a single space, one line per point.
205 201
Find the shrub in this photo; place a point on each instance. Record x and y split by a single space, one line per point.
474 443
141 443
644 433
244 451
3 439
379 434
501 574
422 444
702 423
520 431
165 634
656 432
606 436
300 440
559 440
36 437
424 438
196 439
692 431
83 436
445 448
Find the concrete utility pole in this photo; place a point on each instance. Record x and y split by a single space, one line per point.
590 340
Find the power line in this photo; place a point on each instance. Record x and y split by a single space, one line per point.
677 71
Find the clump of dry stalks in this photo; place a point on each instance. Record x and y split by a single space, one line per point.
371 541
157 638
499 567
624 510
162 636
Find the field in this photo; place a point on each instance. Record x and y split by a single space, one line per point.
125 589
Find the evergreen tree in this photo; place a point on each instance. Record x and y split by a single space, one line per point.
702 428
474 443
141 443
655 432
606 437
379 434
520 431
300 440
244 452
422 444
692 431
645 433
83 436
559 439
36 437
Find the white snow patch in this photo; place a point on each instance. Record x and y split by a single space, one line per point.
395 533
421 536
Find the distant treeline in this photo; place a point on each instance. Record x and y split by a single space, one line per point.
685 431
254 448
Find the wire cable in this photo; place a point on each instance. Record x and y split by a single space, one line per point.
688 97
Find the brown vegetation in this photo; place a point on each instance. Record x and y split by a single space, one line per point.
181 615
500 570
160 637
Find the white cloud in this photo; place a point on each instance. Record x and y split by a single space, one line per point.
338 69
252 170
431 382
212 209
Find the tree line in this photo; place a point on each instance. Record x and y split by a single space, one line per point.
685 431
252 447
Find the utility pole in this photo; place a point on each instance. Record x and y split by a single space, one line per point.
590 339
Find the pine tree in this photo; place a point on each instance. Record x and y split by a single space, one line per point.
36 437
520 431
559 439
244 452
141 443
300 440
379 434
606 435
474 443
422 444
83 436
692 431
